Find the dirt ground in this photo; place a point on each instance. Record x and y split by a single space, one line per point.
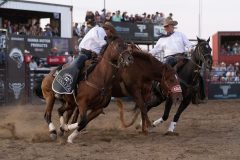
206 132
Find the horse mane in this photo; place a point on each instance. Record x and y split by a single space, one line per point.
142 55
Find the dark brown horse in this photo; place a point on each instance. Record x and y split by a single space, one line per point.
93 92
189 79
136 81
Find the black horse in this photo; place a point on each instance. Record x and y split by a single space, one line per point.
190 79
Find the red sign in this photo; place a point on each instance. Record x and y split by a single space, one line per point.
56 60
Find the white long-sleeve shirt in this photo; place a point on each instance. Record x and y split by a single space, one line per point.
175 43
94 40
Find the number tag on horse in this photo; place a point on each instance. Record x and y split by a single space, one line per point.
176 89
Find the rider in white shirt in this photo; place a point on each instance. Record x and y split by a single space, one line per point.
94 40
172 46
90 47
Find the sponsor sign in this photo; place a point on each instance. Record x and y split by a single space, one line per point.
16 69
38 46
224 91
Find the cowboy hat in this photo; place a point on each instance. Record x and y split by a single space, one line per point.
169 22
108 25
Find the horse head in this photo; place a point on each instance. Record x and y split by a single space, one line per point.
202 53
170 83
118 53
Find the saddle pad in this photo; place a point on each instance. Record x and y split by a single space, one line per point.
64 82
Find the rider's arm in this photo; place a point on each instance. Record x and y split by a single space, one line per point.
187 43
157 49
100 37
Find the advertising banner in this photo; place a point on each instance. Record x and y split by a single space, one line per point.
38 46
16 69
224 91
144 33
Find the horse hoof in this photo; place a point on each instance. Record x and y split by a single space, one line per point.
61 132
169 133
53 135
145 133
138 127
69 141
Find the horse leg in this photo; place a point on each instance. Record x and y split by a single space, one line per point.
181 108
168 106
75 116
145 120
48 116
82 106
93 114
69 107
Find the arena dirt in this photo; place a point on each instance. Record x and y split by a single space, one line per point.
206 132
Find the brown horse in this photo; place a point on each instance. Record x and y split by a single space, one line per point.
189 76
93 92
136 81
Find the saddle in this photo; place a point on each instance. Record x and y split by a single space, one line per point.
180 62
66 79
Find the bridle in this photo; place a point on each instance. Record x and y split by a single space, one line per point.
120 63
201 55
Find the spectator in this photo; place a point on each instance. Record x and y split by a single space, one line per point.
125 17
82 31
108 17
69 57
103 16
222 71
143 19
117 17
230 72
97 18
9 27
48 31
148 19
162 18
170 16
54 51
90 18
76 31
22 30
131 18
33 64
237 72
235 48
55 31
2 57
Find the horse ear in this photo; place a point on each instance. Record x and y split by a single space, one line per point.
208 39
198 39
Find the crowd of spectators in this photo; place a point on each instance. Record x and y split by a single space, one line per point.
32 28
92 18
230 48
225 72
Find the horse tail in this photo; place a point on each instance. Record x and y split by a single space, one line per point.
37 89
121 112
